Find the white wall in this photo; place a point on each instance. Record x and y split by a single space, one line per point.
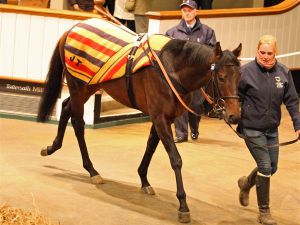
27 43
26 46
231 31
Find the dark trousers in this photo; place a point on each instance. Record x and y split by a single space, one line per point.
265 158
189 119
128 23
204 4
268 3
110 5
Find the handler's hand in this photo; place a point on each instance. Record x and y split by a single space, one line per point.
76 7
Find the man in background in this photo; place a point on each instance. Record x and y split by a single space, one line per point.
190 28
141 21
82 5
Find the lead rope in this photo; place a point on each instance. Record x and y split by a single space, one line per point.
208 99
240 135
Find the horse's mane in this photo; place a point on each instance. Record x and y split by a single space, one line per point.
192 52
196 53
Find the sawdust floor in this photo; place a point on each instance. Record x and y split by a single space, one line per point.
59 188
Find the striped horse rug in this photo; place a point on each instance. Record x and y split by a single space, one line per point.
97 50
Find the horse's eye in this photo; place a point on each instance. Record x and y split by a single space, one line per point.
222 79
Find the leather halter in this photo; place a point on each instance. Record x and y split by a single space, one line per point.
217 107
216 100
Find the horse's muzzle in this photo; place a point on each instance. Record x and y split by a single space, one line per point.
233 119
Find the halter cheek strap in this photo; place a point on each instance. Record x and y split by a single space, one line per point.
217 100
208 98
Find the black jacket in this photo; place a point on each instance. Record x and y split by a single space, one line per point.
200 33
262 92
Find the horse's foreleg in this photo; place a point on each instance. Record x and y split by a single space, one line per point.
78 125
63 121
163 128
152 143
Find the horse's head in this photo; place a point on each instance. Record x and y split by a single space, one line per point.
226 76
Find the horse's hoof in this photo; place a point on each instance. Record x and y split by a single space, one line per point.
148 190
44 152
97 179
184 217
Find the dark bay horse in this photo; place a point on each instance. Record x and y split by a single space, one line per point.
186 62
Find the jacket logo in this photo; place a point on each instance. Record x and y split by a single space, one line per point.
278 82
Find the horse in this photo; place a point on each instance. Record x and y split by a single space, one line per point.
191 65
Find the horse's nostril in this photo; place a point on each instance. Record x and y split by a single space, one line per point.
233 119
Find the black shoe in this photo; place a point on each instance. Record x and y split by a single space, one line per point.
194 136
180 139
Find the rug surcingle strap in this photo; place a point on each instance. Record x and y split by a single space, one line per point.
128 71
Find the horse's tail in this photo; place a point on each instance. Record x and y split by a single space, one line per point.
53 86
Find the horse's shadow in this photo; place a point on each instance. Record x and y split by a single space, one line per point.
162 206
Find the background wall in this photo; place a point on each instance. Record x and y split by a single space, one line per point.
59 4
159 5
28 37
247 29
224 4
167 5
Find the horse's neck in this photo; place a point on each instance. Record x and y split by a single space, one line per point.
188 63
197 72
195 76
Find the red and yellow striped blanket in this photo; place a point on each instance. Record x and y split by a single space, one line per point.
97 51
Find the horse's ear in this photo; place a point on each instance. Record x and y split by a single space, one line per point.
218 50
238 50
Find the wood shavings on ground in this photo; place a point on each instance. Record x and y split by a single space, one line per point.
15 216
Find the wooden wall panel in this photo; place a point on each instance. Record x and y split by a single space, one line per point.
27 43
35 45
51 35
296 37
28 37
231 31
21 50
7 45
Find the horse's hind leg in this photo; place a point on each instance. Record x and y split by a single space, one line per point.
78 125
63 121
152 143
